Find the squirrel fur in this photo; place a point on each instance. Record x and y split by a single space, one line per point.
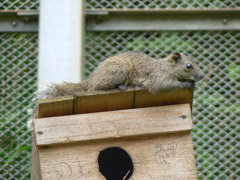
134 69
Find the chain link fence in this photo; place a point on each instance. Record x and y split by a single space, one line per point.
216 100
18 83
129 4
156 4
19 5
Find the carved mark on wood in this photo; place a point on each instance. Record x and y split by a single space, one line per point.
165 155
80 170
66 169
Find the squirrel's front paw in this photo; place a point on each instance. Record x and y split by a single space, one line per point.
122 87
138 88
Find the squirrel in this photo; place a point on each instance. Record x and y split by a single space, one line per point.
135 69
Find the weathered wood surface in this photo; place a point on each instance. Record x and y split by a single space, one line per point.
146 99
58 106
103 101
165 157
110 100
158 139
113 124
36 171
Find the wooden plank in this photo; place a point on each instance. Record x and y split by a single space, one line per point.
104 101
98 101
58 106
36 171
113 124
154 157
146 99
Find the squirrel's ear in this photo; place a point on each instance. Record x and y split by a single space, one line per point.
176 56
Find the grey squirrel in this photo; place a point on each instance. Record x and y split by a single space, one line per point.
134 69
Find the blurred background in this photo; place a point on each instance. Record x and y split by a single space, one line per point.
215 48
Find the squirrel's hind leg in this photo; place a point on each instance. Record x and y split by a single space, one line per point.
109 78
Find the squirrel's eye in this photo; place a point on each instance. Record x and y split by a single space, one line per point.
189 66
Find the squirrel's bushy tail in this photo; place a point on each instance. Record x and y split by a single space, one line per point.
64 89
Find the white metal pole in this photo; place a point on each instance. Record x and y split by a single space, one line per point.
61 40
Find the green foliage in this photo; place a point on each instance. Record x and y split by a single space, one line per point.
168 44
234 72
18 82
16 153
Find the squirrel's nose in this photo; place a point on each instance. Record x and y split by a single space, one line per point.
198 77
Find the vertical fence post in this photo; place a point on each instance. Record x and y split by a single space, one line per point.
61 41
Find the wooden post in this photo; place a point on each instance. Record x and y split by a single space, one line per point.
153 130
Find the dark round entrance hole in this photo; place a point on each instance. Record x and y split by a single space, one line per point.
115 164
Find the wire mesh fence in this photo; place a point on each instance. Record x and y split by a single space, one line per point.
216 106
18 82
19 4
129 4
156 4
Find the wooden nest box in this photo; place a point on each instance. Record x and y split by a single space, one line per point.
115 135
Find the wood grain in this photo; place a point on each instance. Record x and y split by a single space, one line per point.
99 101
146 99
165 157
58 106
36 171
154 132
103 101
113 124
